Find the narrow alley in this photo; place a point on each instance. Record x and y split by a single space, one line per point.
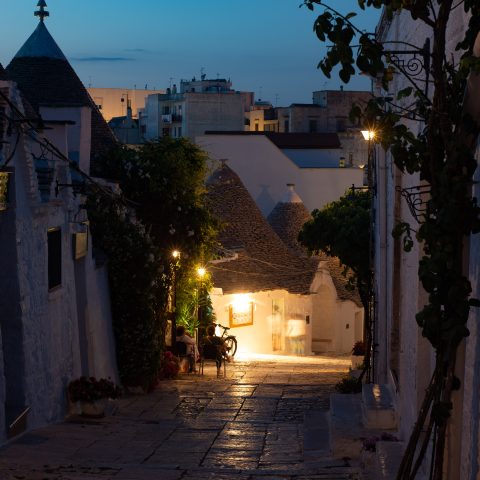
258 423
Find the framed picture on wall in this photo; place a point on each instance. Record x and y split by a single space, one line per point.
240 317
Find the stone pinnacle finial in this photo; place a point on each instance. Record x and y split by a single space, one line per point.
42 13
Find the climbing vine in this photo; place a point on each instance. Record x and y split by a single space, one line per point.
442 154
161 208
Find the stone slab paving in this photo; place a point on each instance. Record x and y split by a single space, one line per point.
249 426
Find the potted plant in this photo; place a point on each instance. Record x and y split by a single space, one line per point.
169 366
358 354
91 395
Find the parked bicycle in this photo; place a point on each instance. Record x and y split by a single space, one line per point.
230 340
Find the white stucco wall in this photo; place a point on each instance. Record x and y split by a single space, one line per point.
320 313
400 296
265 170
40 327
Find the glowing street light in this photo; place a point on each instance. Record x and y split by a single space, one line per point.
201 272
368 134
176 254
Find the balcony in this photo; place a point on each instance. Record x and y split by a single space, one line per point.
167 118
176 118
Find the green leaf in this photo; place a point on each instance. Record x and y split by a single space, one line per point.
406 92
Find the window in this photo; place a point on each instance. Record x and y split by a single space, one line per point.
286 126
54 239
312 126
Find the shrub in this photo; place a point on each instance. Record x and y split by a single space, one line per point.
358 348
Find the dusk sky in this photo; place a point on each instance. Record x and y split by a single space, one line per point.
264 46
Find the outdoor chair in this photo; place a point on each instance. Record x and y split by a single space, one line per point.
212 353
181 350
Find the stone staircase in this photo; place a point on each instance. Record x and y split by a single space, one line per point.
353 419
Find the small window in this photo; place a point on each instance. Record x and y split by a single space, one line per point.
54 238
312 126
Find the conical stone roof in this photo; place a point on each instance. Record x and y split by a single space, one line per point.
3 73
287 219
45 77
263 261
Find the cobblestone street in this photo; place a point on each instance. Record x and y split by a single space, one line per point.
251 425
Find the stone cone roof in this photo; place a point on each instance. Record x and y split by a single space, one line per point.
3 73
262 261
287 219
45 77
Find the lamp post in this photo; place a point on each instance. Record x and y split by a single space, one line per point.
369 135
173 306
201 272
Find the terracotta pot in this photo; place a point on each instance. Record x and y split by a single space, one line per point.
95 409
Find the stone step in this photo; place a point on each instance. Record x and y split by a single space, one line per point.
378 407
316 435
346 429
388 457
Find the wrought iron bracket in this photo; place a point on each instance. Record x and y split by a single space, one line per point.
416 204
418 61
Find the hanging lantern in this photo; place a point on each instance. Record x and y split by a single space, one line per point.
45 172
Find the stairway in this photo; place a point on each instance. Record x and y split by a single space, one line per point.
339 434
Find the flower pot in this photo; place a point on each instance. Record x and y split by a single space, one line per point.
95 409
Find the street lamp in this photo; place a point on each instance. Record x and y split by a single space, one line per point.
201 272
370 136
173 305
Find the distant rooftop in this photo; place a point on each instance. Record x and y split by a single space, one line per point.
291 140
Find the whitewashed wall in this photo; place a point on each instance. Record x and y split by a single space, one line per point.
400 296
265 170
40 332
328 317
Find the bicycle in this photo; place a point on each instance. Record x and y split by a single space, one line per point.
230 340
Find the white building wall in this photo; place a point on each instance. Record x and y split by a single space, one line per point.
41 339
321 311
265 170
400 297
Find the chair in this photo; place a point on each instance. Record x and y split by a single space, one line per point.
181 350
210 352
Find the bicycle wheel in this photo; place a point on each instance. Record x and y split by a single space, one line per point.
231 344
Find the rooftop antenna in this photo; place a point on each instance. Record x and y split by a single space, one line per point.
276 99
41 13
202 73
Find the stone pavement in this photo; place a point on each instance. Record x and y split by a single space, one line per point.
249 425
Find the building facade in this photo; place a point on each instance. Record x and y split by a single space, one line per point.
55 320
193 108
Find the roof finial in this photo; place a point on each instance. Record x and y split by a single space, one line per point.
42 13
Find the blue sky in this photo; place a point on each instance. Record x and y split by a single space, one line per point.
265 46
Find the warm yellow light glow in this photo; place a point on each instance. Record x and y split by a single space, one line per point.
176 254
368 134
201 271
241 303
